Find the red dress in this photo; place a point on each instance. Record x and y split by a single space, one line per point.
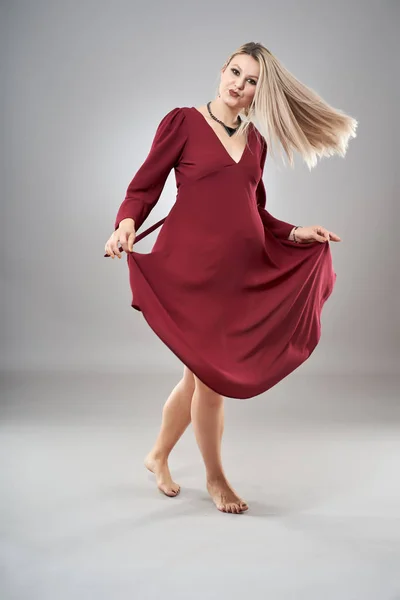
223 287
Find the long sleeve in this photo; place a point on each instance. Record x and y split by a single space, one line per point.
280 229
145 188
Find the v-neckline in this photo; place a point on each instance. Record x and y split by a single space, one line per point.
220 141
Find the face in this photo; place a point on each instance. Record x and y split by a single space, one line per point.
241 75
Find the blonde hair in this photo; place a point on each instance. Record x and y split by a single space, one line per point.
289 113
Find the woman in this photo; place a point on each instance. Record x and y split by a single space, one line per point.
234 292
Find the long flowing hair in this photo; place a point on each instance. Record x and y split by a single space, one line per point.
291 115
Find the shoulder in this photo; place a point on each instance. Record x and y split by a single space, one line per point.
173 121
175 115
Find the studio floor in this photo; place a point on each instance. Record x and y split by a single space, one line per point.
317 458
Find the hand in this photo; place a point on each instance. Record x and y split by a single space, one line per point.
315 233
125 235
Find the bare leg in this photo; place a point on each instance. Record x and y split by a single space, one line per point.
208 426
175 419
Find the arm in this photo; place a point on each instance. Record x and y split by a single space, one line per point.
145 188
280 229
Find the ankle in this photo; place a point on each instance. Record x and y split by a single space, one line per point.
159 455
217 477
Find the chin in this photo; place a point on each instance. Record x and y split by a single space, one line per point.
232 99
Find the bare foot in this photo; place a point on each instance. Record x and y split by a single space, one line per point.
164 480
225 497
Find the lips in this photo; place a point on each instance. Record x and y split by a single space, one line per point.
234 94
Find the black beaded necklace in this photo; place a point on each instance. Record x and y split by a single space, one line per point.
230 130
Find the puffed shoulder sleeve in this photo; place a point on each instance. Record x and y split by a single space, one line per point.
145 188
280 229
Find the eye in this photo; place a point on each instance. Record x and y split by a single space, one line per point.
234 71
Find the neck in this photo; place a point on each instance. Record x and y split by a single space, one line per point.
224 113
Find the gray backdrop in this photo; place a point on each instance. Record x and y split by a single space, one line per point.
84 85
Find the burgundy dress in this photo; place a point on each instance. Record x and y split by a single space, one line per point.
223 287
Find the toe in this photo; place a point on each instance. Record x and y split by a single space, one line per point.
167 490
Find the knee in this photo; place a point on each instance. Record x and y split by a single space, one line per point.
207 394
188 379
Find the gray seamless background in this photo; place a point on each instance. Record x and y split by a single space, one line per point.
83 378
84 87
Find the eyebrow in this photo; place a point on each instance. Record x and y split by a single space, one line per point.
236 65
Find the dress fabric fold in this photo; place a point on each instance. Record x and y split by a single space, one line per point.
223 287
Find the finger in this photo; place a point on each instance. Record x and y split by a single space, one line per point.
319 238
115 249
323 234
126 243
120 238
131 241
332 237
109 251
